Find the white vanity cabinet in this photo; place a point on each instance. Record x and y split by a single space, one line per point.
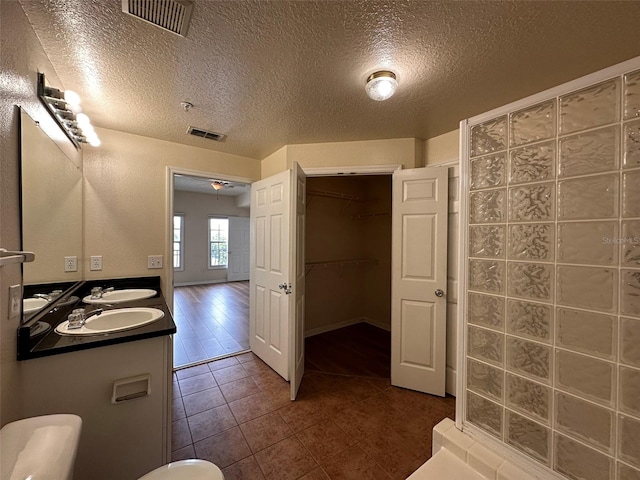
120 441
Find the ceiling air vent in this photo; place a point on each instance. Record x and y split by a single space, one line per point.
172 15
198 132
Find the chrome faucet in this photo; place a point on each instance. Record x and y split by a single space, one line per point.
48 296
77 318
98 292
93 313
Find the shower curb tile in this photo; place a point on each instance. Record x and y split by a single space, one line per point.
484 460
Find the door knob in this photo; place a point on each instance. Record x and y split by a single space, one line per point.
439 293
286 287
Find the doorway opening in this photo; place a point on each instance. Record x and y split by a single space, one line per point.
210 247
348 275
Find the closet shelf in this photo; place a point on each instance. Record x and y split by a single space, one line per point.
339 263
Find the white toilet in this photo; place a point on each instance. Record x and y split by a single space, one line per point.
46 446
185 470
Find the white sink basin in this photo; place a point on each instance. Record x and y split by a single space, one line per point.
31 305
120 296
111 321
40 447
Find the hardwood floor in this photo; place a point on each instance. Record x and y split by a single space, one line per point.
212 321
360 350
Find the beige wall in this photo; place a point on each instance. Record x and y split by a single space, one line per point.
336 294
444 148
21 59
197 207
407 152
274 163
125 203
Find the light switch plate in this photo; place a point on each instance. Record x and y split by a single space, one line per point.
15 300
154 261
96 262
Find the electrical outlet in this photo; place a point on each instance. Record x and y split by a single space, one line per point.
154 261
96 262
71 264
15 300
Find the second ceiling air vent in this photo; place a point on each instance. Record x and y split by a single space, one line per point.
198 132
172 15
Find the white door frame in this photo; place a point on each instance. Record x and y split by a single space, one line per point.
356 170
170 171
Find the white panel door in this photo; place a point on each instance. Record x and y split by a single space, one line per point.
299 199
269 318
239 241
419 279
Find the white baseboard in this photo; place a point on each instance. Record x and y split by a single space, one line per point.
332 326
198 282
376 324
450 383
345 323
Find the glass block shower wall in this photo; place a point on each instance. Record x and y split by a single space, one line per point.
553 280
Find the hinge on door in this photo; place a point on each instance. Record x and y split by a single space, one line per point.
286 287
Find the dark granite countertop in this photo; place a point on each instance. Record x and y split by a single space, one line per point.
51 343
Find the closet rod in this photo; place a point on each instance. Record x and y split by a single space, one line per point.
340 263
342 196
360 216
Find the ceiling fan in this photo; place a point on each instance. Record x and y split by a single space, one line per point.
220 184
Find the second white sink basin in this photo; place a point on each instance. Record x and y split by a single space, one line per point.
120 296
111 321
30 305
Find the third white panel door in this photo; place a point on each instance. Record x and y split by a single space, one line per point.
419 279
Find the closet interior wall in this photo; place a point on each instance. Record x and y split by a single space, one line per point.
348 252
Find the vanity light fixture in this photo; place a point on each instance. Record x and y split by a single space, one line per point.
65 109
381 85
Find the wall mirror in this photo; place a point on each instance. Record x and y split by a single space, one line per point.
51 203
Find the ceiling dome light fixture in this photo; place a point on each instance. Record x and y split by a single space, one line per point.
381 85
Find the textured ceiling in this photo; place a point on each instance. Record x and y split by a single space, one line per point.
271 73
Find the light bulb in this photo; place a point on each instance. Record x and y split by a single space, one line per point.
87 129
82 120
71 97
76 109
91 137
381 85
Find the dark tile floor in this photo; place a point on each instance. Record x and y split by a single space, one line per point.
237 414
